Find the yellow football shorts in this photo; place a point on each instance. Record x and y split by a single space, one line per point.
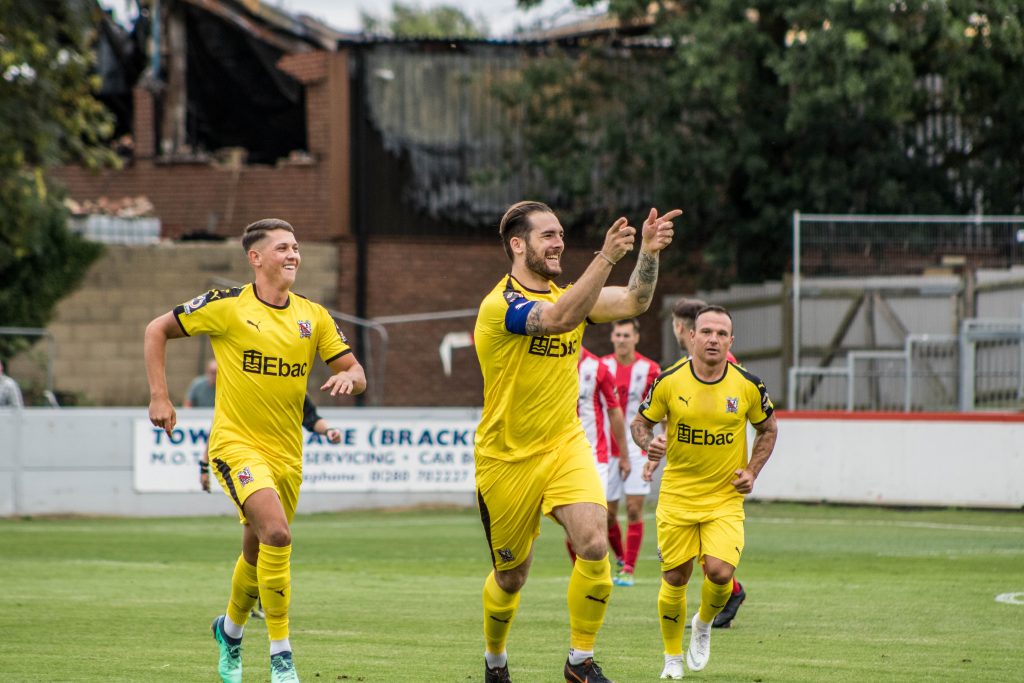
242 473
512 496
685 534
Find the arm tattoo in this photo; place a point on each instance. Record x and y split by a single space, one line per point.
642 434
644 277
533 326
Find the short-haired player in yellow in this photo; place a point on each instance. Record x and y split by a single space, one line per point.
532 455
265 338
706 401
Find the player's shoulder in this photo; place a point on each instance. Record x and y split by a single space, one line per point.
213 297
746 375
673 369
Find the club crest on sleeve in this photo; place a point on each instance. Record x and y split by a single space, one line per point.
195 304
305 329
245 477
512 295
732 405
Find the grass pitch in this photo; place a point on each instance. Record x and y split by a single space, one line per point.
834 594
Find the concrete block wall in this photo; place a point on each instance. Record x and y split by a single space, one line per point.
99 328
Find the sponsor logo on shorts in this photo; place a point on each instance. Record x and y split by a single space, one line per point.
506 555
660 558
245 477
702 437
305 329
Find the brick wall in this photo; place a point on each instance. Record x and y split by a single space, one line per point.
198 197
420 276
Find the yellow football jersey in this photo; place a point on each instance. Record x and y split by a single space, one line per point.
264 354
707 432
531 384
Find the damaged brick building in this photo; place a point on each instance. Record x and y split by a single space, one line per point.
390 151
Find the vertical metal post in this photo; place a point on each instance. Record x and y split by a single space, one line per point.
154 34
966 369
796 289
908 349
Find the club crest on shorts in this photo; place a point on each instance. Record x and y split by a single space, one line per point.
506 555
245 477
305 329
732 405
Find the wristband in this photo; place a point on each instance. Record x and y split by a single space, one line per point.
604 256
204 467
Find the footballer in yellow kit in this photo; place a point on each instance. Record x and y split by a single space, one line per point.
264 355
531 386
706 443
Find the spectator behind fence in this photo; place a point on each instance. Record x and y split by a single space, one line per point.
10 392
202 392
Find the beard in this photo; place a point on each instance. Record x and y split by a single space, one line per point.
536 262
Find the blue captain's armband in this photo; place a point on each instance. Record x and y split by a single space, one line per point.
515 316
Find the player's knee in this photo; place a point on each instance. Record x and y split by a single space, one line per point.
511 581
593 547
278 536
720 573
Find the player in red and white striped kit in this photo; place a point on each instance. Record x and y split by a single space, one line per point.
634 374
603 420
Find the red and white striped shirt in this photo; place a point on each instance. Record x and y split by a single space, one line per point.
597 395
633 381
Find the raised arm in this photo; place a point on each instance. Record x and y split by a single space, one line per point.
159 330
576 304
617 303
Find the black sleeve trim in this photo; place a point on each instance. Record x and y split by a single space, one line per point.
177 318
334 358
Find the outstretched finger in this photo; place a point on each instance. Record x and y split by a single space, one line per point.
670 215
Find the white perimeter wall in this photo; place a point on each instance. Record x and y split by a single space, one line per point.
80 461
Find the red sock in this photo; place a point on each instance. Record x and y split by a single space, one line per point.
572 553
736 587
634 536
615 539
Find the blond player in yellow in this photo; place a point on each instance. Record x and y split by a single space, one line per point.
265 338
532 455
706 401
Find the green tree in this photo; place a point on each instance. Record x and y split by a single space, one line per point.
413 21
751 109
48 116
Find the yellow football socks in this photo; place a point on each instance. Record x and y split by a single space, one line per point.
499 610
713 597
590 588
275 580
244 591
672 616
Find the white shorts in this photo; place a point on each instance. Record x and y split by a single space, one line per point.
603 468
633 485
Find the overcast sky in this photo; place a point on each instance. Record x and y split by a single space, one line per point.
501 16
